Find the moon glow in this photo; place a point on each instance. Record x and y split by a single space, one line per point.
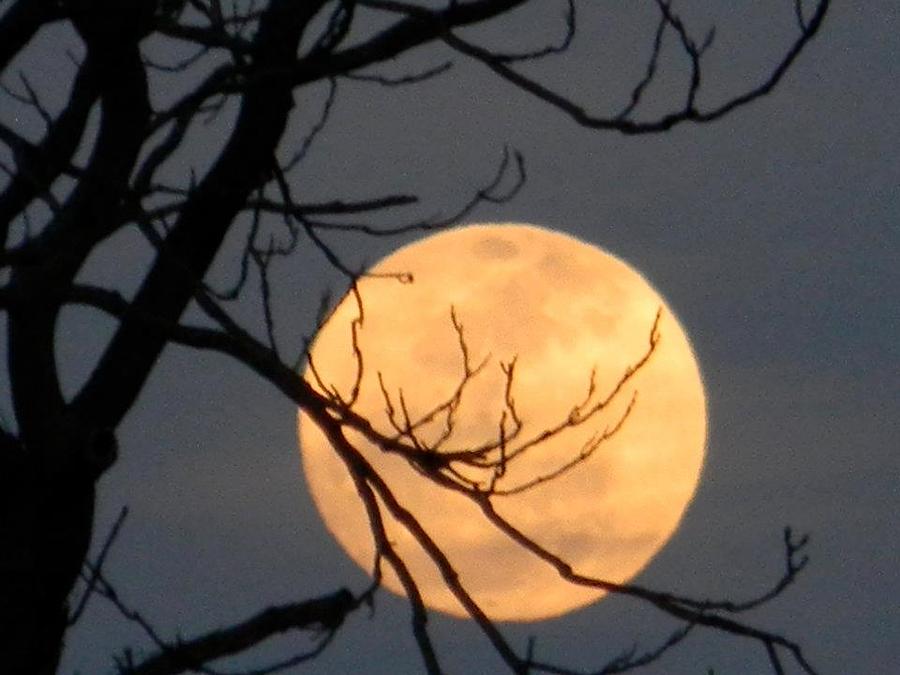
561 308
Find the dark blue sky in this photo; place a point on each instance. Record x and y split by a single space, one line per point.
773 233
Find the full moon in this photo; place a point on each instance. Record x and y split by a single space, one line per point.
563 309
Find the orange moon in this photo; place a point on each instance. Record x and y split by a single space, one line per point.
561 307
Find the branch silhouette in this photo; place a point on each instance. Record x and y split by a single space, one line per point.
116 155
333 414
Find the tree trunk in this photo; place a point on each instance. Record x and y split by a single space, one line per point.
47 476
45 529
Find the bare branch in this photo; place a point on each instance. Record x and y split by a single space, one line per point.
688 113
262 258
159 154
412 30
584 454
114 304
213 36
691 611
235 290
638 92
20 22
97 566
218 81
273 49
384 549
491 192
627 661
337 28
399 81
362 470
446 408
181 65
334 207
481 456
551 49
630 660
773 659
323 615
316 129
801 20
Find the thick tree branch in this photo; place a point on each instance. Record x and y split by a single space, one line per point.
87 217
41 165
52 516
325 613
194 240
20 23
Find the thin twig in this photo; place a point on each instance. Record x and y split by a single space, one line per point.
94 574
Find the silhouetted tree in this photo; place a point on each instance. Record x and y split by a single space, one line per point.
75 176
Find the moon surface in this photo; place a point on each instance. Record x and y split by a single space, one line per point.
561 307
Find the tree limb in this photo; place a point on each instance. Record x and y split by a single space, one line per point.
202 223
325 613
689 113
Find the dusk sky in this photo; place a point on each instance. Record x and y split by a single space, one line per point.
774 235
